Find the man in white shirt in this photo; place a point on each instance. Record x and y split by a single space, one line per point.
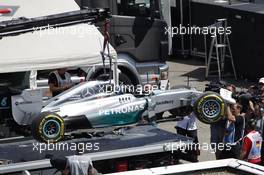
74 165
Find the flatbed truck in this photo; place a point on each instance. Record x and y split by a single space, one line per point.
140 147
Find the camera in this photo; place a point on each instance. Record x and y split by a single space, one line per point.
215 86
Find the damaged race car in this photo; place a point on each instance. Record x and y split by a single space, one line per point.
91 105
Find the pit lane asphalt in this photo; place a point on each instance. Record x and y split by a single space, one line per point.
180 70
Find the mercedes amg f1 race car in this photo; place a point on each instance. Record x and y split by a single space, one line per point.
91 105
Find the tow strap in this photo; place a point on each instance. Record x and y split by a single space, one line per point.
106 47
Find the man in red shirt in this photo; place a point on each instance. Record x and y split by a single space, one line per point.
251 148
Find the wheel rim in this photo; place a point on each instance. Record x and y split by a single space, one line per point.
51 129
211 109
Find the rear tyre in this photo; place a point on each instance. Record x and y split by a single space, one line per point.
49 127
210 108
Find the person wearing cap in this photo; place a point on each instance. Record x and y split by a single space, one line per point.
252 143
257 89
261 83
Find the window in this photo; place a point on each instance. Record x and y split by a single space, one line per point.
19 80
140 8
86 91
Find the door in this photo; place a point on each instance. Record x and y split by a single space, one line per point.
139 31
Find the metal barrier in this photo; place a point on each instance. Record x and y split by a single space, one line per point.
119 153
225 165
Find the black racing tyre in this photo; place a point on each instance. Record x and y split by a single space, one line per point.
48 127
210 108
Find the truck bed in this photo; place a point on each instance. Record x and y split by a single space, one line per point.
136 141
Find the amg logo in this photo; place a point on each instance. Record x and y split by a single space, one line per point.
165 102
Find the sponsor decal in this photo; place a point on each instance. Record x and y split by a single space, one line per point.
165 102
122 110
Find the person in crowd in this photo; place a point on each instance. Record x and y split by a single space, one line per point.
257 89
246 103
59 81
231 129
258 105
251 109
217 133
253 100
218 129
261 84
252 143
188 127
74 165
232 88
239 123
233 134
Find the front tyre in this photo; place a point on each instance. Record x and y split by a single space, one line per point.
210 108
48 127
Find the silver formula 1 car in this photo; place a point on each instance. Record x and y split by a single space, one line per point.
91 105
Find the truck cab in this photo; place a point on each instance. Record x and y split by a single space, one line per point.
137 32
